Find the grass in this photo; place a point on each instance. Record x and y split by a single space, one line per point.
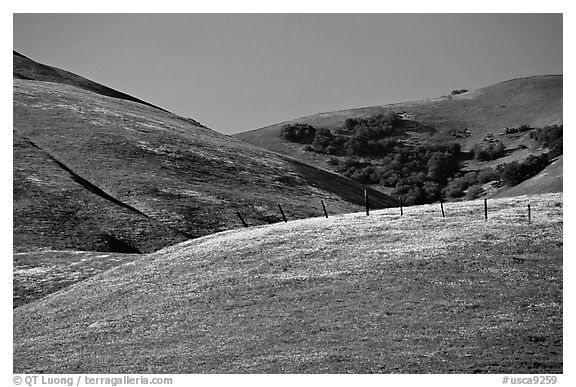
26 68
156 178
550 179
533 101
348 294
37 274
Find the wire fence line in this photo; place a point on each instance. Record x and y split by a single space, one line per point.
441 212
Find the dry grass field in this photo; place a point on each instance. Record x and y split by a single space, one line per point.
383 293
97 170
39 273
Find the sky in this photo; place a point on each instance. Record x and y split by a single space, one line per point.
237 72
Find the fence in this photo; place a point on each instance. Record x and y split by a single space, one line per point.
401 208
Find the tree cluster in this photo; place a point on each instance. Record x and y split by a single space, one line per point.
366 137
374 127
488 152
520 129
550 137
301 133
516 172
418 173
424 173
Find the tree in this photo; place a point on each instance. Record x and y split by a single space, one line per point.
481 153
322 140
497 150
486 175
455 187
356 145
432 190
490 152
438 168
511 173
302 133
470 178
473 192
350 123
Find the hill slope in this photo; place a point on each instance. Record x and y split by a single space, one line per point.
533 101
549 180
384 293
26 68
95 169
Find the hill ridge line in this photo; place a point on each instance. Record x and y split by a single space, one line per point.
93 188
71 78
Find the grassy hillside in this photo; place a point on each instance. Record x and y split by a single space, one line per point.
53 209
95 169
384 293
26 68
40 273
549 180
486 112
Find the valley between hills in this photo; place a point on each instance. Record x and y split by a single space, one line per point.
130 254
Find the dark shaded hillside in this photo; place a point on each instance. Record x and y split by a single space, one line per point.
52 210
89 167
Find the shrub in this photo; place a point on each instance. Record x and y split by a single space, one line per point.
441 165
432 190
356 146
514 173
520 129
333 161
470 178
550 137
489 152
415 195
332 150
322 140
510 174
473 192
374 127
350 123
302 133
486 175
455 187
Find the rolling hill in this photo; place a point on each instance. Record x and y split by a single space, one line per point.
468 118
26 68
383 293
549 180
98 170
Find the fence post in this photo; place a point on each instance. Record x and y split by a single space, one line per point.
324 208
282 212
486 209
241 219
401 211
529 219
366 202
442 208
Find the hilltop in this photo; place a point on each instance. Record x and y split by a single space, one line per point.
349 294
26 68
534 101
98 170
485 128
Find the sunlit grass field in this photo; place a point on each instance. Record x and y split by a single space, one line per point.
383 293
